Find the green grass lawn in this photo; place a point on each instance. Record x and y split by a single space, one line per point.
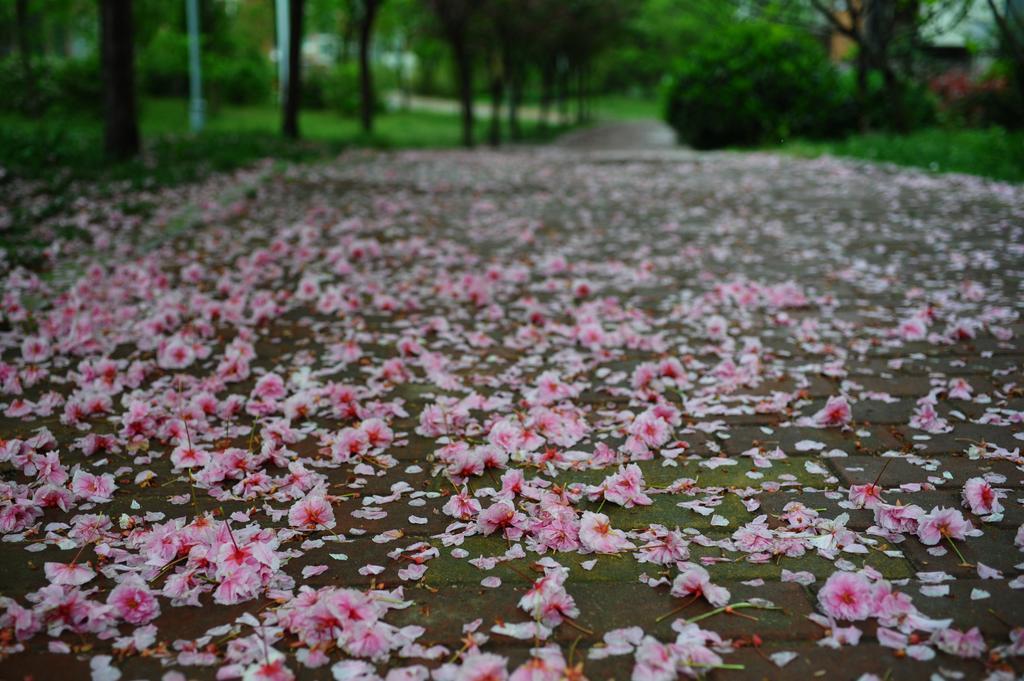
399 129
991 152
624 108
61 148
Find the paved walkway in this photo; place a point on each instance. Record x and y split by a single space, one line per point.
624 414
625 136
527 112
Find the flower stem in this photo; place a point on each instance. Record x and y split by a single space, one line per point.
729 608
331 530
164 570
676 609
952 544
1000 618
572 623
572 649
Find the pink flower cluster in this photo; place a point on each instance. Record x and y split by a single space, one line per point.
857 596
351 619
694 581
625 488
547 601
690 655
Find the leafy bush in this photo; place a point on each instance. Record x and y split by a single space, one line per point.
23 93
314 84
237 80
755 83
989 100
79 86
231 74
163 64
341 89
335 88
52 86
903 107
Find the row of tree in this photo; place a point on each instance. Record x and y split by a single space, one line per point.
889 36
552 52
500 41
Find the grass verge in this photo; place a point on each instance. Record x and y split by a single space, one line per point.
992 152
63 155
68 148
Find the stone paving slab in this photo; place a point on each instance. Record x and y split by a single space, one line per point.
740 344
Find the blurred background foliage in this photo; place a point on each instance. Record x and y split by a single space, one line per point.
723 73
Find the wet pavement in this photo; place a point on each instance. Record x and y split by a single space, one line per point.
625 136
785 350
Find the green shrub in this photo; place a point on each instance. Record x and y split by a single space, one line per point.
24 93
237 80
755 83
163 64
342 91
903 107
52 86
994 99
335 89
314 84
79 86
231 74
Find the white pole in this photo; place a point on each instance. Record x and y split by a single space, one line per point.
196 108
283 29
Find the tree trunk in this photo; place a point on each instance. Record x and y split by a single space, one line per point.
293 93
894 94
562 96
497 94
579 95
880 19
877 27
1011 24
121 127
464 75
28 84
862 90
21 21
515 98
547 78
365 71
